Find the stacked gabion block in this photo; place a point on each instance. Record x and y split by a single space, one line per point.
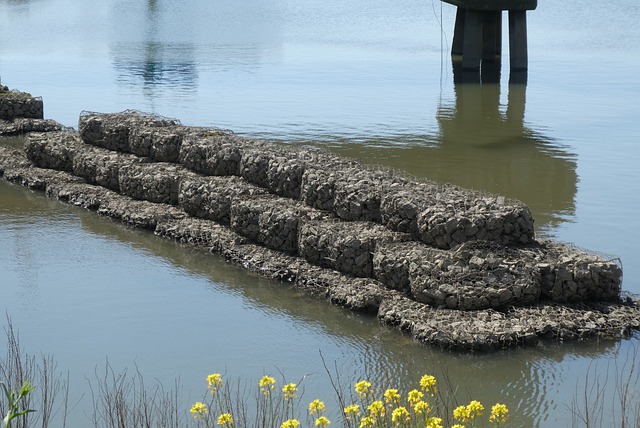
419 254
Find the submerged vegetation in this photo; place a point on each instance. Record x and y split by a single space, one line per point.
35 394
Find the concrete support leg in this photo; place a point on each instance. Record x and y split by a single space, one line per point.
458 33
518 40
472 44
491 35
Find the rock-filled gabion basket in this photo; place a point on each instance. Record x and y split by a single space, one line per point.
53 150
101 166
344 246
210 197
474 277
573 275
470 277
213 152
452 267
16 104
154 182
463 217
25 125
111 131
272 221
12 159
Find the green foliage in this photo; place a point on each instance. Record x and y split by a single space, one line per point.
13 399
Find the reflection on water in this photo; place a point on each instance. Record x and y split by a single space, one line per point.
486 145
163 50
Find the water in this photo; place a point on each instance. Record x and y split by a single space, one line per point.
370 80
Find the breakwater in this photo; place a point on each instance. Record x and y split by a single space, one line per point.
452 267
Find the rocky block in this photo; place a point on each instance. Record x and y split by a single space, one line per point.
53 150
319 180
475 275
400 207
345 246
358 294
24 125
161 144
210 197
38 178
101 166
142 214
83 195
272 221
573 275
154 182
458 216
199 232
392 262
112 130
264 261
484 330
358 196
256 157
211 152
12 158
277 168
490 330
15 104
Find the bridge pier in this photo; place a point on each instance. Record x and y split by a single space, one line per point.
477 35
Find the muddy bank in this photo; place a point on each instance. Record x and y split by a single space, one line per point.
453 268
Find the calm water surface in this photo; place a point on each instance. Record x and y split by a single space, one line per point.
370 80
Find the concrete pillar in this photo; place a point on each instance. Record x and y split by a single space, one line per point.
518 39
492 35
458 33
472 44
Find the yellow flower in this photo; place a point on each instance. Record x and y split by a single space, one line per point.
499 414
316 406
434 423
461 413
198 410
367 422
400 415
267 384
215 381
421 408
414 397
363 388
376 409
457 426
392 396
352 411
290 391
225 420
474 409
428 384
322 422
291 423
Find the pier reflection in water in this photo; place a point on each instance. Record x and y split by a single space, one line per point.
483 143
